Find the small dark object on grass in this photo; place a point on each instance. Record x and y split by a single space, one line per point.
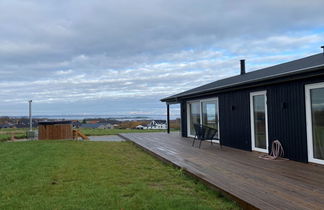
54 182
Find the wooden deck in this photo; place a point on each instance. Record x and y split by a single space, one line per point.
253 182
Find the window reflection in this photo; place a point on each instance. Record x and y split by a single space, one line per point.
317 106
210 114
194 116
259 121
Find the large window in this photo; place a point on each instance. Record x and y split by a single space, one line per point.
209 113
259 121
315 122
203 112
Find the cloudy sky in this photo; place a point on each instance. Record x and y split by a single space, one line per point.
121 57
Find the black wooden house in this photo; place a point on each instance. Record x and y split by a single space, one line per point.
250 110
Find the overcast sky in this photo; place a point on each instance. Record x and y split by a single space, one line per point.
121 57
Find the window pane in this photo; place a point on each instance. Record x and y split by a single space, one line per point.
210 114
259 121
194 116
317 104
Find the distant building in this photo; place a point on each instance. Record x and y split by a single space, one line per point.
106 126
17 123
141 127
92 121
7 125
76 124
157 124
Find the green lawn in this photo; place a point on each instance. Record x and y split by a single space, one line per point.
96 175
7 133
103 132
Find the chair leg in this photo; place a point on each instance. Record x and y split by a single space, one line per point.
200 143
193 142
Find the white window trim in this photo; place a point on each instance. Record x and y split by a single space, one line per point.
200 109
252 122
188 117
309 124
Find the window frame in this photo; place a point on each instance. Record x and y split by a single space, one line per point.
254 148
309 121
201 114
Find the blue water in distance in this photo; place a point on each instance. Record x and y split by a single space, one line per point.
117 117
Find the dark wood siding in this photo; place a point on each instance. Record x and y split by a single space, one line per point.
234 114
286 116
183 108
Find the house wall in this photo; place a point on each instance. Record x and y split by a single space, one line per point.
286 117
234 114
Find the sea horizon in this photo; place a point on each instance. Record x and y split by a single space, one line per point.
124 117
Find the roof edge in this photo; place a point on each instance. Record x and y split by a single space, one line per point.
294 72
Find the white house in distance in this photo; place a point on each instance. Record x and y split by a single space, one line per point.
141 127
154 124
157 124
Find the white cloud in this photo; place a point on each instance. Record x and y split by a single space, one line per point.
64 72
102 53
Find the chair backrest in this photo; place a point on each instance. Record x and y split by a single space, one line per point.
209 133
204 132
199 131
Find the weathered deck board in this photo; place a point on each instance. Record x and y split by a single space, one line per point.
264 184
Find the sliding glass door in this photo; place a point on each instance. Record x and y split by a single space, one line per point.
203 112
194 116
315 122
259 124
210 113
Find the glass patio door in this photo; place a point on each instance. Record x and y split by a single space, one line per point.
315 122
259 121
210 113
203 112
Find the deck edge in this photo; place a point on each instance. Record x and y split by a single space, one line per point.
240 202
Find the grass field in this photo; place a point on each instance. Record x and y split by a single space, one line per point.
103 132
96 175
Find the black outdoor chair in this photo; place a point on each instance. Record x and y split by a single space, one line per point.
204 133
